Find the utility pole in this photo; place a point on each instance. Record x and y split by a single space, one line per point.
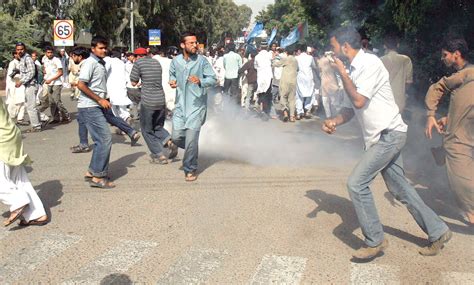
132 28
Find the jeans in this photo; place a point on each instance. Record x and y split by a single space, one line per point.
97 126
188 140
83 140
152 123
134 94
118 122
385 157
30 102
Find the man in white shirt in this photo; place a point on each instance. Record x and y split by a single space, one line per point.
232 64
305 85
263 65
370 99
53 82
165 62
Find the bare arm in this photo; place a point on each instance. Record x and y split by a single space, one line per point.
89 93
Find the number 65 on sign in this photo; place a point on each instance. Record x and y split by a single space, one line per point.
63 33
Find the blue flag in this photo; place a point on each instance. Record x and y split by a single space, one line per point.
257 29
292 38
272 36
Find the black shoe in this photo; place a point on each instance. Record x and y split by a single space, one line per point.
173 150
134 139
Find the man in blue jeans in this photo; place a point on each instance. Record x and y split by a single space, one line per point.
91 105
78 55
370 99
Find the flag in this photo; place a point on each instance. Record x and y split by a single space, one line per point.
272 36
257 29
292 38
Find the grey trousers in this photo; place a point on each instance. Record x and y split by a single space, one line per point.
30 101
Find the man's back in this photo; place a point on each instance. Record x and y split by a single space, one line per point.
400 70
149 71
232 63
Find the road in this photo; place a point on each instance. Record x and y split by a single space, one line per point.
270 207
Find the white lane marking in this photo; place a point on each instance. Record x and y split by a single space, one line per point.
458 278
374 274
27 259
118 259
193 267
279 270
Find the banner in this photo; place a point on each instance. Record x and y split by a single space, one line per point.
257 29
272 36
63 33
154 37
292 38
298 33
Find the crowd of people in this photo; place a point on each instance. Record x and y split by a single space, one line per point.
150 85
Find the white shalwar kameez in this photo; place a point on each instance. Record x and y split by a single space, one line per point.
117 87
263 65
170 93
305 88
15 97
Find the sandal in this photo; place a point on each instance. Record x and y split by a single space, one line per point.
15 215
103 183
80 149
33 130
190 177
292 119
24 223
159 160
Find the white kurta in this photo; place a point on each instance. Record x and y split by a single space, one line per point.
116 82
263 65
16 191
305 79
170 93
14 95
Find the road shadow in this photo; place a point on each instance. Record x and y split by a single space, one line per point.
333 204
205 161
116 279
119 167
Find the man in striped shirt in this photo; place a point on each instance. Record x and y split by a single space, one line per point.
153 107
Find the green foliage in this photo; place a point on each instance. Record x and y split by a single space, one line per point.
420 24
23 30
209 19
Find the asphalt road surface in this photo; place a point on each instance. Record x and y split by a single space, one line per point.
270 207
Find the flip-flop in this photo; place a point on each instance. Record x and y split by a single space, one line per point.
18 214
104 184
24 223
190 177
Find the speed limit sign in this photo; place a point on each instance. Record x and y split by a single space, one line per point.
63 33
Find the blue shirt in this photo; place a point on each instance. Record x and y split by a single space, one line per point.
191 99
94 75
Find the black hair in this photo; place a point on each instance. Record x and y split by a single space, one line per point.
18 44
81 51
154 50
48 48
185 35
456 44
347 35
115 54
391 41
99 40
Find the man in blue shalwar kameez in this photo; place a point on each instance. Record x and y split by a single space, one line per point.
191 74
